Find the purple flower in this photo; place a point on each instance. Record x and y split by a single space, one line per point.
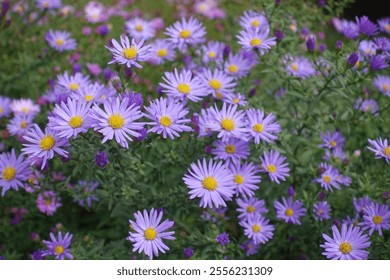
246 178
384 24
339 45
368 106
256 39
330 178
248 208
48 202
218 83
149 233
258 229
366 26
290 210
223 238
5 109
85 194
58 247
376 217
380 148
274 164
347 245
60 40
254 20
362 203
332 140
183 33
279 35
71 84
231 151
378 62
140 29
134 98
299 67
321 210
101 159
349 29
353 59
250 247
382 83
290 191
237 66
212 52
311 43
262 127
188 252
37 255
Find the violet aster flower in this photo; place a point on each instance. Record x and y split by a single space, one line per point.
290 210
211 181
37 255
246 178
349 29
367 48
367 106
183 85
218 83
60 40
384 25
183 33
349 244
70 118
48 4
258 229
58 247
237 66
101 159
91 93
24 106
188 252
42 146
48 202
262 127
299 67
232 150
223 238
248 208
250 247
117 120
362 203
256 39
237 98
20 124
321 210
94 12
382 83
5 109
382 44
162 50
129 53
376 217
140 29
71 83
212 52
331 140
254 20
366 26
378 62
380 148
329 178
13 171
168 117
149 233
274 164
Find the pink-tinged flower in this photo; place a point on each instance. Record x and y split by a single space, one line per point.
129 54
262 127
274 164
367 48
58 247
183 33
218 83
71 83
48 4
258 229
248 208
20 124
246 178
382 83
376 217
233 150
290 210
254 20
95 12
299 67
321 210
48 202
60 40
380 148
118 119
256 39
140 29
24 106
13 171
367 106
161 51
332 140
42 146
211 181
349 244
168 117
150 232
384 25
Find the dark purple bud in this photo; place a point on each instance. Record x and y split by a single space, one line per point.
101 159
208 149
279 34
277 2
223 238
107 73
187 59
290 191
144 134
65 159
304 32
76 68
352 59
195 119
205 104
386 195
102 30
322 47
339 45
311 43
321 196
128 72
321 3
252 92
226 51
378 63
188 252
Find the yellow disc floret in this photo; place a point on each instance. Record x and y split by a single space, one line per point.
215 84
250 209
59 249
256 228
183 88
230 149
232 68
326 179
76 122
130 53
73 86
47 142
150 233
227 124
116 121
9 173
209 183
165 121
271 168
239 179
162 52
345 248
258 127
184 34
60 42
289 212
386 151
377 219
255 42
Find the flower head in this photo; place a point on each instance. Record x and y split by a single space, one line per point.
101 159
58 247
48 202
237 66
20 124
274 164
183 33
223 238
290 210
366 26
256 39
162 50
218 83
140 29
254 20
258 229
331 140
24 106
248 208
212 52
246 178
5 109
380 148
262 128
299 67
382 83
71 83
60 40
321 210
384 25
233 150
376 217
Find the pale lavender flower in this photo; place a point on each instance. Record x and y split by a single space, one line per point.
246 178
384 25
48 202
256 39
299 67
290 210
183 33
20 124
254 20
232 150
380 148
140 29
332 140
218 83
382 83
258 229
321 210
366 26
60 40
248 208
162 50
376 217
262 127
58 247
274 164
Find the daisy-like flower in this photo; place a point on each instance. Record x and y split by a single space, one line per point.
20 124
229 122
129 54
254 20
246 178
299 67
350 29
289 210
48 4
168 117
367 48
362 203
258 229
140 29
330 178
211 181
232 150
5 109
261 127
71 118
58 247
91 93
117 120
161 50
218 83
42 146
250 247
149 233
94 12
183 85
384 25
60 40
237 98
237 66
367 106
366 26
376 217
248 208
349 244
321 210
382 83
332 140
205 120
71 83
212 52
380 148
13 171
24 106
274 164
256 39
183 33
48 202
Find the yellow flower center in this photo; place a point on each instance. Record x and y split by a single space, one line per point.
116 121
256 228
162 52
26 110
377 220
320 212
76 121
23 124
326 179
59 249
47 142
294 67
236 100
387 27
88 97
130 53
212 54
45 4
73 86
218 95
271 168
165 121
209 183
150 233
59 42
385 87
185 33
258 127
1 110
386 151
256 42
255 23
239 179
289 212
333 143
230 149
345 248
139 27
31 180
9 173
227 124
184 88
232 68
215 84
250 209
48 202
